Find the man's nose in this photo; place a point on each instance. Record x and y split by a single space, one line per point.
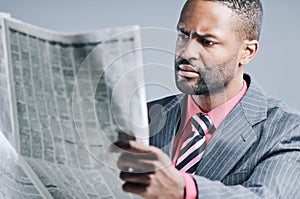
190 50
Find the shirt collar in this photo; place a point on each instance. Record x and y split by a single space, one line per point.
219 113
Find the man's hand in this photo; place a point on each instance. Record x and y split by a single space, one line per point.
148 172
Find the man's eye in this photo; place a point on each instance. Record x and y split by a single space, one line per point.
206 42
183 36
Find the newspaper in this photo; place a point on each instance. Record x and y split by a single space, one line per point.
64 98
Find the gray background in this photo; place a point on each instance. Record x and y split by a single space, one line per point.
276 67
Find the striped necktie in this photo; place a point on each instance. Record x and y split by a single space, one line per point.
193 147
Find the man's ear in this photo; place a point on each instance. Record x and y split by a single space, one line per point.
249 50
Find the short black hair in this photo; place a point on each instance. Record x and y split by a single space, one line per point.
249 16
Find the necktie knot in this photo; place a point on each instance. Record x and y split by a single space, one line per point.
202 123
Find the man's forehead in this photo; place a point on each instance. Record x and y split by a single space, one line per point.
205 15
193 7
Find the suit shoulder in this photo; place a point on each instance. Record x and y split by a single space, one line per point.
279 112
160 107
164 101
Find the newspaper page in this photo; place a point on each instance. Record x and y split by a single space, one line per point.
14 182
5 114
68 97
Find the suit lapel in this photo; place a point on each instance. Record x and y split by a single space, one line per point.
235 136
226 147
165 122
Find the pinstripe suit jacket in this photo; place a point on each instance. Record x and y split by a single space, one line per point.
255 153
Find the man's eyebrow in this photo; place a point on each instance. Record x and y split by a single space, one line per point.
206 35
182 29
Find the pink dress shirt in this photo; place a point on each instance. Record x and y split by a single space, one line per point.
217 115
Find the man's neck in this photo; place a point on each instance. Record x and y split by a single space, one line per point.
211 101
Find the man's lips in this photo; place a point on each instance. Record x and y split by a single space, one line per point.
188 71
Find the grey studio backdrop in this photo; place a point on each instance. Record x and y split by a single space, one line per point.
276 67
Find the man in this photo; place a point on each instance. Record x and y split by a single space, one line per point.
250 143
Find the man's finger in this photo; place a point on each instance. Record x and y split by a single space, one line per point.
131 146
135 188
141 178
129 156
135 165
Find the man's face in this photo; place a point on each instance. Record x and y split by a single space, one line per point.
207 48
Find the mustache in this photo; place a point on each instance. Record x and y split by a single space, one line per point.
183 61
